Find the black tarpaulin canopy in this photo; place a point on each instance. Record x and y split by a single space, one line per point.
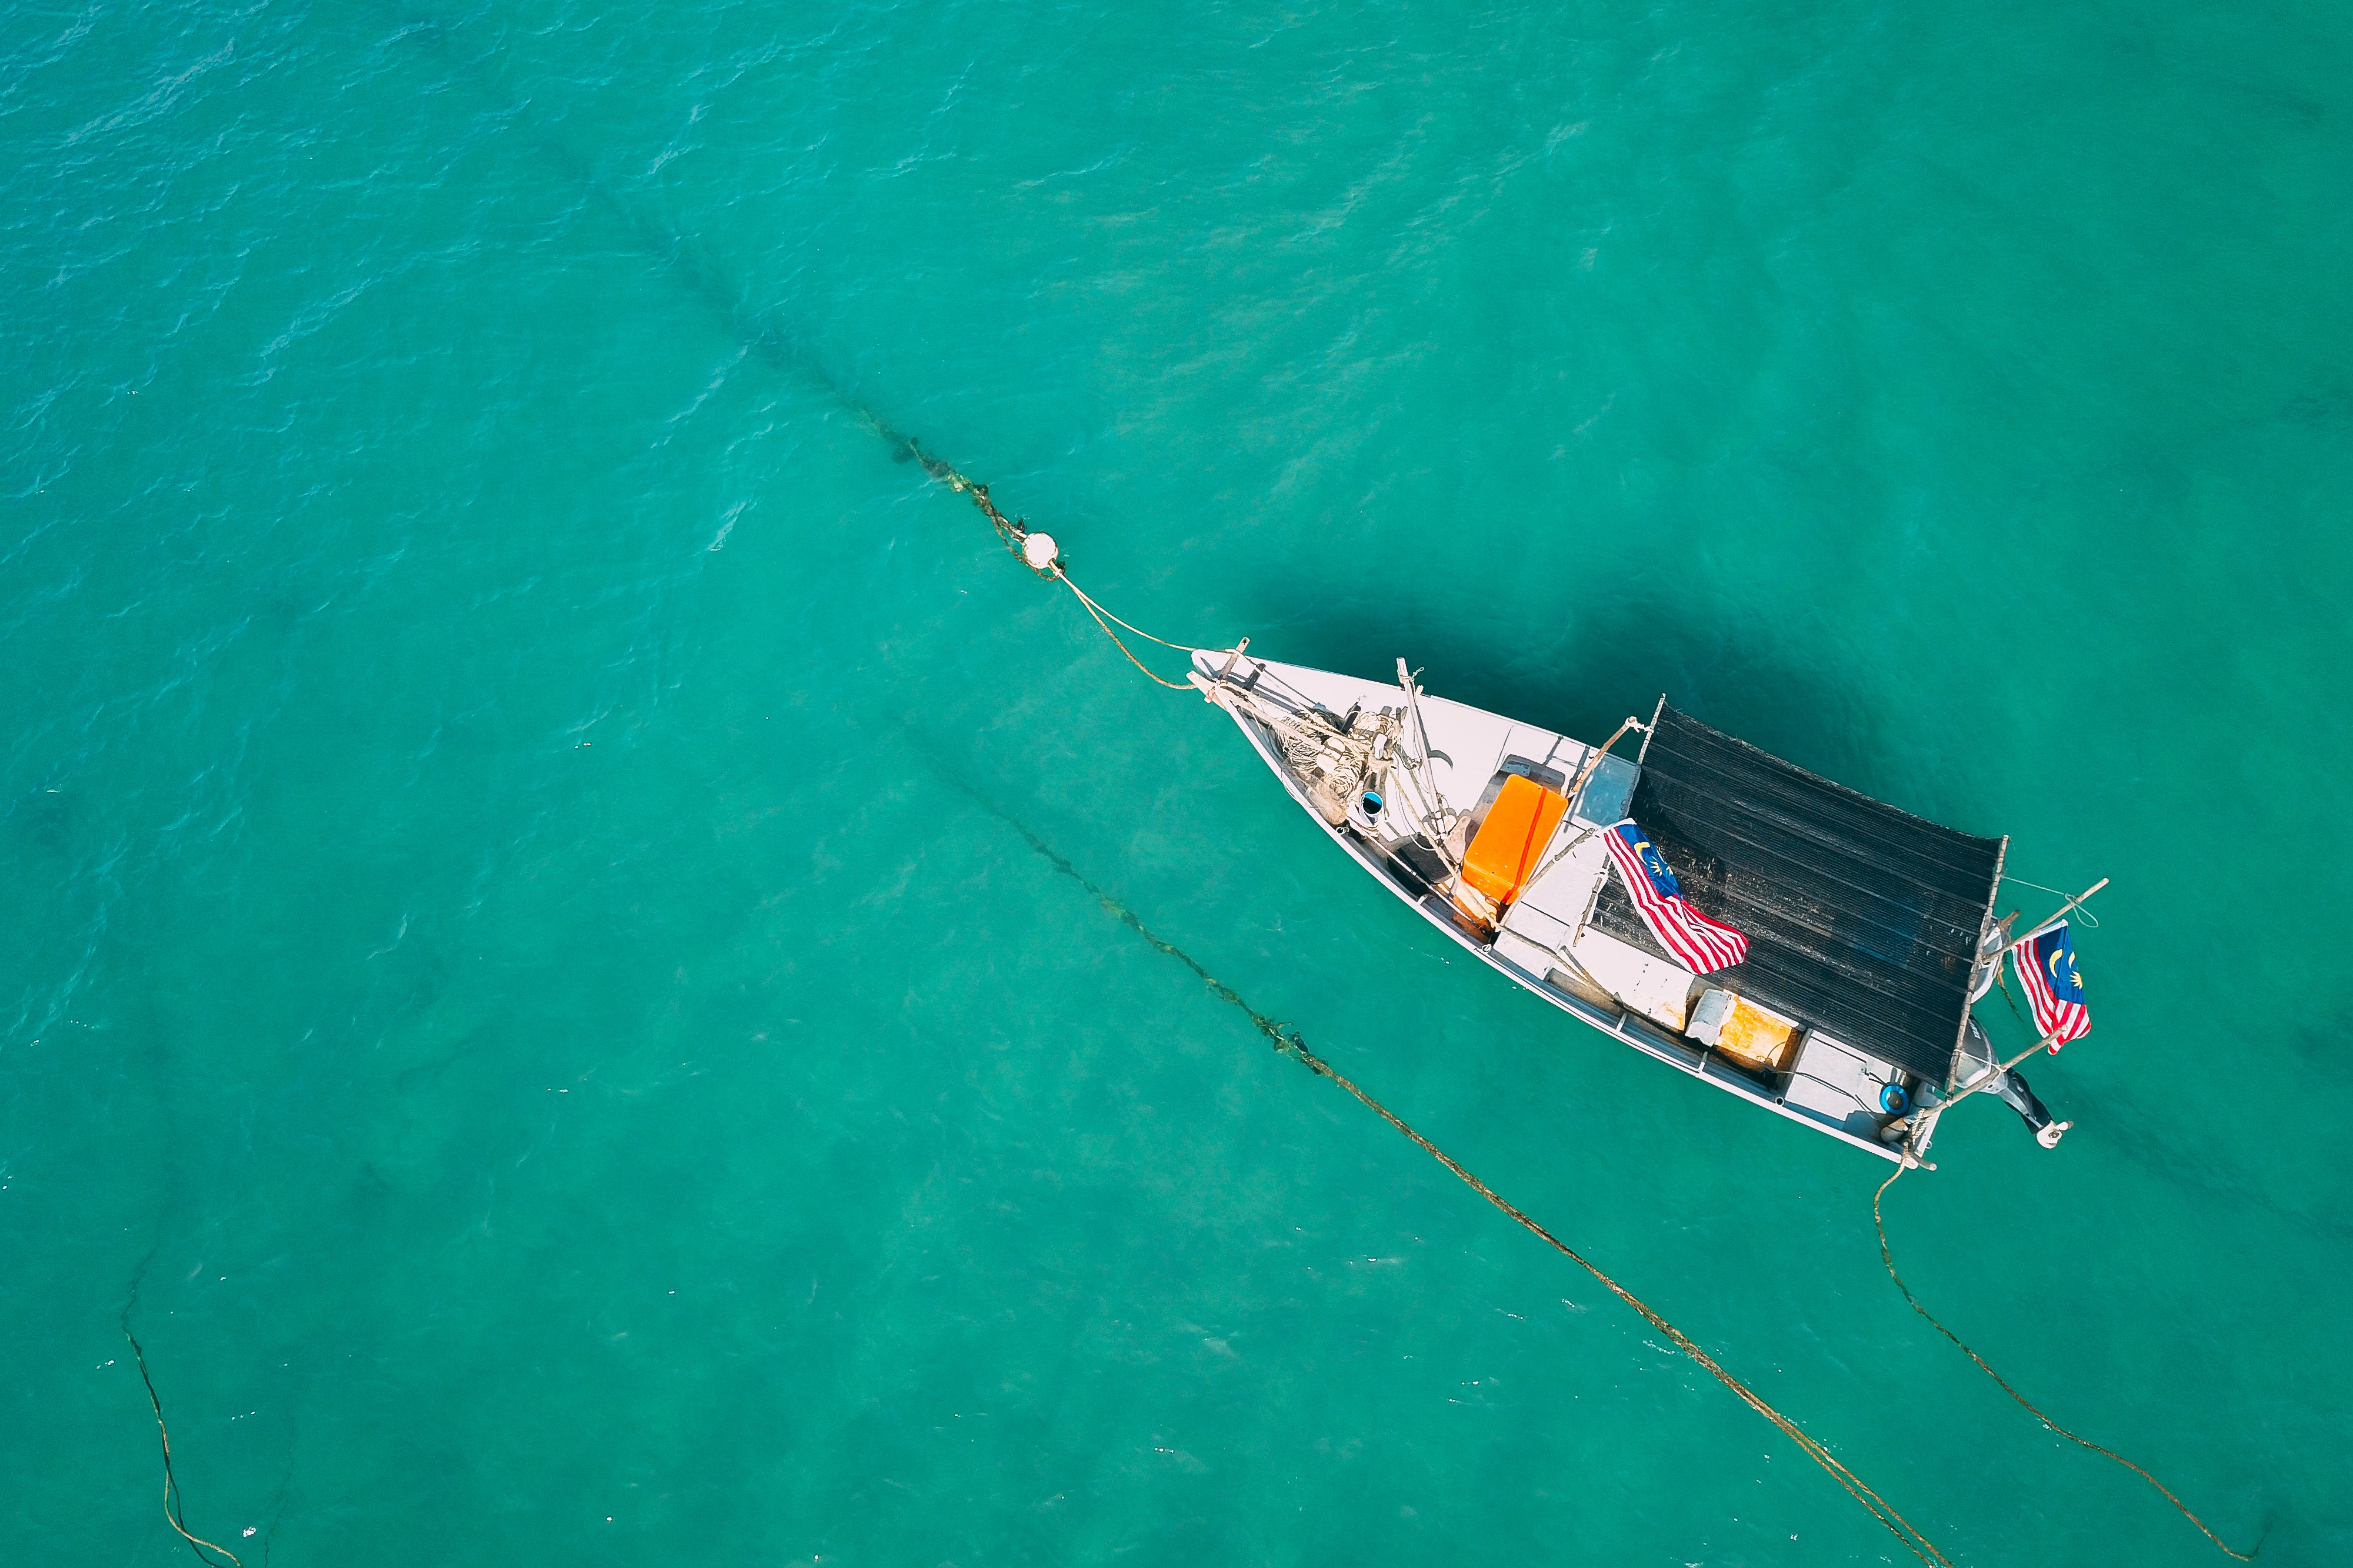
1863 920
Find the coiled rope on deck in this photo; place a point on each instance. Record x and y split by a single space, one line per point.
1289 1042
1887 1256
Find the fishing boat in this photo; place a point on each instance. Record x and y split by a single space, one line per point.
1853 935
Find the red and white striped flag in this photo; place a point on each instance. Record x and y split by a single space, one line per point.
1703 945
2046 973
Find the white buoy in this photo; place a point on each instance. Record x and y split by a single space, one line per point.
1037 550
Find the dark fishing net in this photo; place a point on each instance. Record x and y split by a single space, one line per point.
1863 920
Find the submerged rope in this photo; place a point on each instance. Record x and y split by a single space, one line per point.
172 1513
1888 1258
1289 1042
1879 1507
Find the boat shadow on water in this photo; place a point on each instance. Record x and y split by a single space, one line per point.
1607 661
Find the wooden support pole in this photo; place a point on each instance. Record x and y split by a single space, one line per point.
1907 1155
1601 751
2055 919
1998 1074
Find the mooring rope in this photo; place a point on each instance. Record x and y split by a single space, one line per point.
1139 631
1887 1256
172 1512
1879 1507
1015 533
1099 614
1289 1042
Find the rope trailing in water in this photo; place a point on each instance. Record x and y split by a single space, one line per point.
1015 533
906 450
1289 1042
172 1513
1878 1507
1887 1256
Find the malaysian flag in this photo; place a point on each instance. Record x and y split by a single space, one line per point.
2046 972
1702 945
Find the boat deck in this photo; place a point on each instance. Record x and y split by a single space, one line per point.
1547 940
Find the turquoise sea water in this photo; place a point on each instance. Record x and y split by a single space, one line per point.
521 943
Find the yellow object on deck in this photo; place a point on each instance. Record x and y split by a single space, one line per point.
1518 827
1757 1038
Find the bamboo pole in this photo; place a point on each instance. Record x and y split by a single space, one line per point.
1999 1073
2055 919
1993 1076
1431 801
1584 773
1599 751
